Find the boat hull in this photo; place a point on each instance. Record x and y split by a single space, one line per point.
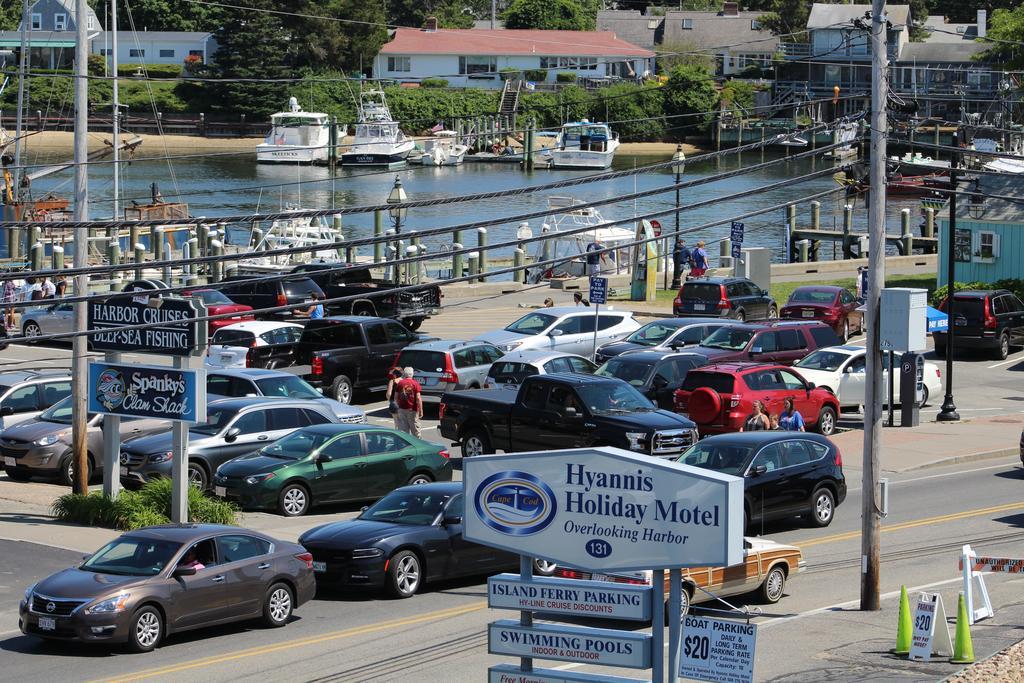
373 159
290 154
581 160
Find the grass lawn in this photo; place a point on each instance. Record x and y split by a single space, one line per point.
780 291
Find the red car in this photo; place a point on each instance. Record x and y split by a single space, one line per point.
217 303
719 398
834 306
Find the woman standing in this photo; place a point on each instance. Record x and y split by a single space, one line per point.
790 420
757 421
393 376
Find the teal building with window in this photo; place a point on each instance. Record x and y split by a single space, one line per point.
988 244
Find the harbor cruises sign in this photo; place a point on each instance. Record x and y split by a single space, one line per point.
174 331
604 509
147 391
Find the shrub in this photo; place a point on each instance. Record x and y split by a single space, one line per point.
538 75
508 72
151 70
90 510
566 77
434 83
1014 285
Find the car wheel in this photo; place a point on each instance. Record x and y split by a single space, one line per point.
845 336
293 500
420 478
741 316
1003 350
827 421
924 398
823 508
341 389
363 310
476 442
774 585
404 573
31 329
146 630
773 313
66 469
197 476
685 599
543 567
413 323
277 606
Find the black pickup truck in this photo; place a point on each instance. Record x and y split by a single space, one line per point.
342 354
562 411
339 279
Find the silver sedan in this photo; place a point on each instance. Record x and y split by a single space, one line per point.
54 318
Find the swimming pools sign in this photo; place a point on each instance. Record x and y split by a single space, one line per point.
604 509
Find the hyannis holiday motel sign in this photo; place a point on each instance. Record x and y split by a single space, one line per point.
604 509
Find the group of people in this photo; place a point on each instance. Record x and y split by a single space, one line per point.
789 420
696 259
405 400
32 289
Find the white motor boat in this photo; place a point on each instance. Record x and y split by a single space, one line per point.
293 233
582 144
568 248
296 136
378 140
443 150
917 159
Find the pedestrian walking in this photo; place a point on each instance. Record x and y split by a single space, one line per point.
315 310
9 295
758 420
594 256
682 257
790 420
394 375
410 403
578 300
61 286
549 303
48 288
699 261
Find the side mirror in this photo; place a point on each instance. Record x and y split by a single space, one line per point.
659 382
232 435
184 571
758 470
6 410
571 412
810 385
756 350
848 370
453 520
324 457
556 333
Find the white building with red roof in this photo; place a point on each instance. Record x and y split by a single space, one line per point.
476 57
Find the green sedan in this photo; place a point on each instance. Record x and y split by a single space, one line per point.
330 463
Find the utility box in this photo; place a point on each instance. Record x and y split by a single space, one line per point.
904 322
756 265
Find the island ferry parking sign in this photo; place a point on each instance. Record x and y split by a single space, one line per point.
604 509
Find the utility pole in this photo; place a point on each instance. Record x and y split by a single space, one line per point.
22 79
116 132
79 369
870 518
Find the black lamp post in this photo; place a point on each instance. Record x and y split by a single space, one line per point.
397 196
948 412
677 267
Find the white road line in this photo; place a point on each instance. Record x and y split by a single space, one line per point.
1009 360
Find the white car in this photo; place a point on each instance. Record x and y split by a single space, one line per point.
567 329
841 370
510 370
231 344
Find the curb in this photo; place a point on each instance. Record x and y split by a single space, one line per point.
959 459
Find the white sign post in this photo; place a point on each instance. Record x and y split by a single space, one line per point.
929 616
717 650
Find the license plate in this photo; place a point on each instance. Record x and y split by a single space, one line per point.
124 471
698 307
319 566
220 491
225 358
960 322
600 577
808 314
47 624
10 462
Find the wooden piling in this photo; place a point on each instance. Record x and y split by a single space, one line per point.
481 242
378 231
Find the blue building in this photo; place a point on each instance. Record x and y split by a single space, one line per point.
989 240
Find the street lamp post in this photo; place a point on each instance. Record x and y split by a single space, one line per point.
677 267
397 213
948 411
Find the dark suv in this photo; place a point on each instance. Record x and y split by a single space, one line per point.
984 319
271 293
781 341
724 297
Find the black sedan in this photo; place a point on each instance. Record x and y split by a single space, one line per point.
655 374
409 537
785 473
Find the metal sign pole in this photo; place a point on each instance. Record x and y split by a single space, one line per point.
526 616
179 468
111 445
593 350
658 626
675 608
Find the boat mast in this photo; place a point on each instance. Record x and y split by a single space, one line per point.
116 134
22 69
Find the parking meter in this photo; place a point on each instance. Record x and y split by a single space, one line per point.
911 388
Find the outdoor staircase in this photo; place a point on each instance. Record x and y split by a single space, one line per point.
509 103
787 96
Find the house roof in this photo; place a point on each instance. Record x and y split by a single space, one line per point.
1007 185
830 16
944 53
714 30
161 35
411 41
941 32
632 25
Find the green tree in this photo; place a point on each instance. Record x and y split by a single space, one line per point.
564 15
961 12
10 15
449 13
682 52
690 96
158 15
317 43
1006 25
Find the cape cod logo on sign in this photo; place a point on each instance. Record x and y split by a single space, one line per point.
515 503
604 509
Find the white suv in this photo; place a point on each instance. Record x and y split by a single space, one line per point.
567 329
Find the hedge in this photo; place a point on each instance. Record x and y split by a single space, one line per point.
1014 285
434 83
565 77
151 70
538 75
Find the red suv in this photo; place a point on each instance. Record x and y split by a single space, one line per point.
720 397
779 341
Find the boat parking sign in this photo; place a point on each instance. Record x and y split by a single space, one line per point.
719 650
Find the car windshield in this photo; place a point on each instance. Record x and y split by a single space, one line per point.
725 458
628 370
212 297
811 296
216 420
296 445
652 334
822 359
290 386
129 556
229 337
614 398
406 506
533 323
729 338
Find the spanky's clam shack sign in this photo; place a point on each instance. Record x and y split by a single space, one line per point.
147 391
604 509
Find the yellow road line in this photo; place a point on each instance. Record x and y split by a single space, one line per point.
298 642
966 514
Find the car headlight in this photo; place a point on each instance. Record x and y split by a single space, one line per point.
110 605
47 440
512 346
161 457
258 478
636 441
28 593
365 553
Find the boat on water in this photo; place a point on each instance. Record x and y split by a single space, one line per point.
378 140
582 144
443 149
296 136
568 231
291 232
920 160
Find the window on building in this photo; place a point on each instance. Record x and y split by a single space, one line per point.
106 52
91 23
37 22
399 64
137 52
478 65
60 22
687 24
167 53
581 63
986 246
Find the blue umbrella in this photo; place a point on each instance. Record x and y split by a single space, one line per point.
937 320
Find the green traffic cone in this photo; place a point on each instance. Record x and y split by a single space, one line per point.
904 628
963 649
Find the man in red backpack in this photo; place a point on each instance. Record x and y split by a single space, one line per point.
409 398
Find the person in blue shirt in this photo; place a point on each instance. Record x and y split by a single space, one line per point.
790 420
315 310
699 261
